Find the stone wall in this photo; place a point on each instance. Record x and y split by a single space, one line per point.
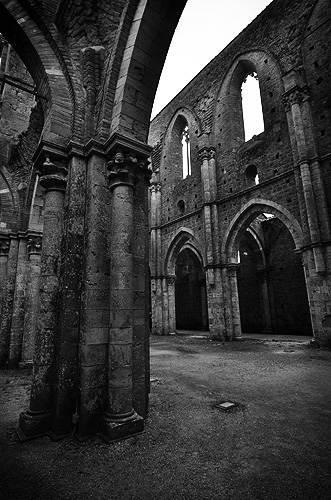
286 46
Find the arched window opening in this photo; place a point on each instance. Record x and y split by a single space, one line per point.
181 207
186 154
252 175
252 106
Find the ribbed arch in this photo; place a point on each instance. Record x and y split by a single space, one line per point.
184 239
246 216
32 46
145 51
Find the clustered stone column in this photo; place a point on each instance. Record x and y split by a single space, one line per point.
120 419
293 100
34 245
17 322
170 282
155 254
4 252
219 303
8 298
312 203
37 420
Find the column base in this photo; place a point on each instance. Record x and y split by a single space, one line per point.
114 430
34 424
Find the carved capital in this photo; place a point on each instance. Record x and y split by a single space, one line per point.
155 188
232 270
34 244
127 161
171 280
296 95
124 168
53 176
4 245
206 154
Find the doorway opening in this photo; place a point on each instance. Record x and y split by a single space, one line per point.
190 293
271 283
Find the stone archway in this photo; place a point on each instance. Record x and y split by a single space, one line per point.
246 235
190 292
271 283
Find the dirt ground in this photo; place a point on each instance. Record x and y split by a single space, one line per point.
275 443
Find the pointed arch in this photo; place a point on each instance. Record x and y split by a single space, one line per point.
145 51
228 115
245 217
183 239
183 121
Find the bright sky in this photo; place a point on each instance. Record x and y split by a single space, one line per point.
205 28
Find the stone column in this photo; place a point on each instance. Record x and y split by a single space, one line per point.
266 314
34 242
17 322
171 304
4 251
165 306
205 157
235 331
293 100
120 419
155 255
8 299
37 420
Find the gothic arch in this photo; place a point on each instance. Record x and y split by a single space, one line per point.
228 125
246 216
37 53
142 63
171 157
184 238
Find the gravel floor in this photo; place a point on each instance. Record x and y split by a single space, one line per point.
274 444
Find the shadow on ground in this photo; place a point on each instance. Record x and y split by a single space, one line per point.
274 443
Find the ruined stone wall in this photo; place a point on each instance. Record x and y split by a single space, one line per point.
286 46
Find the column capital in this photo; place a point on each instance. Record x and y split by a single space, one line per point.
50 162
232 269
171 279
53 176
206 153
127 161
295 95
155 188
34 244
4 244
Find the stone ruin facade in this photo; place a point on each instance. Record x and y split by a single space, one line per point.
77 197
78 80
241 242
